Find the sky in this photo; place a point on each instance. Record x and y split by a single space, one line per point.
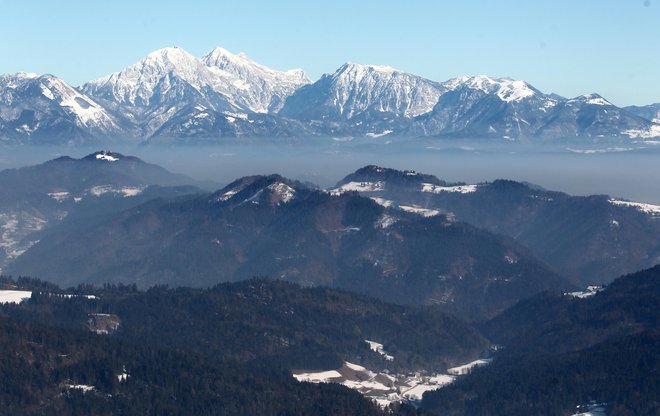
575 47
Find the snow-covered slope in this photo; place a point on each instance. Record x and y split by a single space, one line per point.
172 93
45 108
141 84
164 83
355 90
267 89
506 89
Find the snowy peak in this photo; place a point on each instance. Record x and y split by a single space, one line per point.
383 89
592 99
267 88
367 91
354 70
506 89
137 84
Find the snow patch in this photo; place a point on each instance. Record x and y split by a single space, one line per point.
436 189
284 192
378 347
359 187
14 296
466 369
653 210
82 387
59 196
385 221
651 132
587 293
106 156
424 212
382 202
126 192
377 135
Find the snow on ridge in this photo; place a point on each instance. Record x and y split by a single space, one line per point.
14 296
593 99
653 210
507 90
359 187
436 189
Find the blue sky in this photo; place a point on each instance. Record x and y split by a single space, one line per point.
569 47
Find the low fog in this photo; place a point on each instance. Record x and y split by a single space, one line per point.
621 171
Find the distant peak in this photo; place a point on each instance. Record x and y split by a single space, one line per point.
169 52
352 66
507 89
593 99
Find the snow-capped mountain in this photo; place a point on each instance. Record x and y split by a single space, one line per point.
267 89
173 96
172 93
152 91
591 115
483 106
40 109
356 90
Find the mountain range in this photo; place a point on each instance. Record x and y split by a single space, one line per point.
173 96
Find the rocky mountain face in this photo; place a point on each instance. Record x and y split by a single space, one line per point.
266 89
593 239
271 226
173 96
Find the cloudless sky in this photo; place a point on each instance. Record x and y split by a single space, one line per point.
569 47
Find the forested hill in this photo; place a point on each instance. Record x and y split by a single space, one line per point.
65 372
564 351
260 319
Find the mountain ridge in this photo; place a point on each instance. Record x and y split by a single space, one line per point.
174 95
